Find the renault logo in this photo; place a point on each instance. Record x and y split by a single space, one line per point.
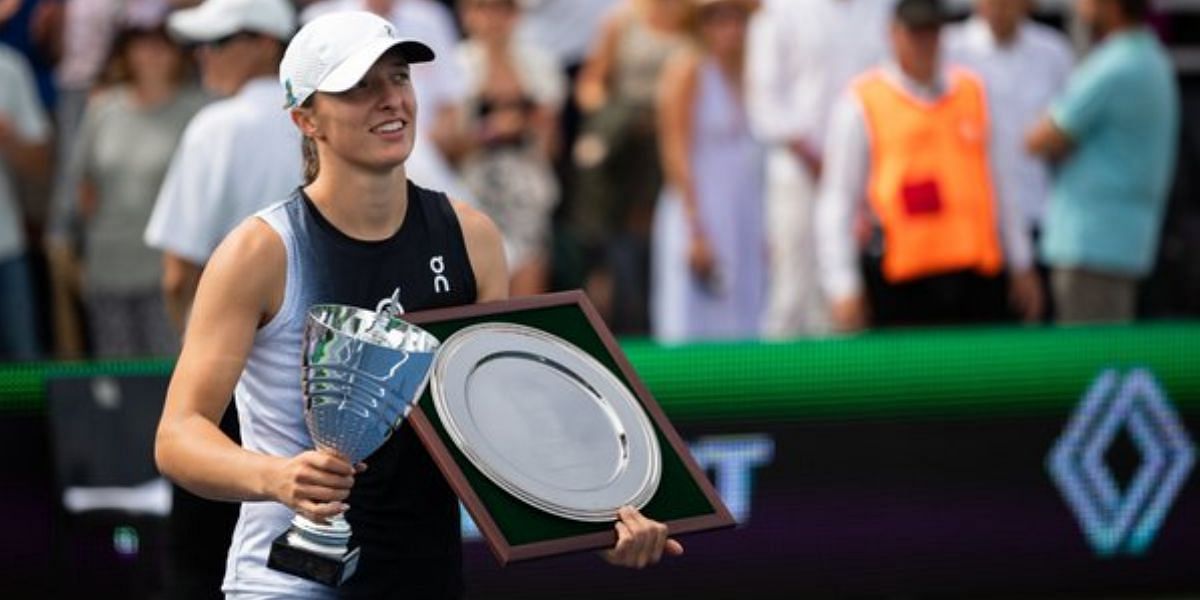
1120 521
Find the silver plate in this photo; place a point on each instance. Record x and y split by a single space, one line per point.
545 421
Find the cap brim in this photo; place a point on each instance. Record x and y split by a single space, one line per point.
924 23
354 68
202 23
923 19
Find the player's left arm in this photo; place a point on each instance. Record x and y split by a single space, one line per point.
485 249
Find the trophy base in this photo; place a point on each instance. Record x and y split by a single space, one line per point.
326 568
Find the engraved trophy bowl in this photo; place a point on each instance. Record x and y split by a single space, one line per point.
361 373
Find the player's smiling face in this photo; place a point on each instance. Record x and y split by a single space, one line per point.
373 124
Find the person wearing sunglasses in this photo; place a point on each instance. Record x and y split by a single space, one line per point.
238 154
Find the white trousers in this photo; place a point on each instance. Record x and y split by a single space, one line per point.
795 305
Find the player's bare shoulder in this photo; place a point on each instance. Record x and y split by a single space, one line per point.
250 265
475 224
251 242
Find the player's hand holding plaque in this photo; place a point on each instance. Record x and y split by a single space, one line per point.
362 371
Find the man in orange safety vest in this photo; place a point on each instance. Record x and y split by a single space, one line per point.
909 151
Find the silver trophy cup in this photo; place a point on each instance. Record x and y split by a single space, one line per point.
361 373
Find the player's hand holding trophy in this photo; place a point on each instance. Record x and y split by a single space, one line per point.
361 373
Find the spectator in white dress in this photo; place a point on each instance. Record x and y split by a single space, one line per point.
709 249
801 56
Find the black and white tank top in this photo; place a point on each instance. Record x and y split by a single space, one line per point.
402 512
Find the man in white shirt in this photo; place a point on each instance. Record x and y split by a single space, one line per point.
238 154
921 168
440 85
801 54
1025 65
24 153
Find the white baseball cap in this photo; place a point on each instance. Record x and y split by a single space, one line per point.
333 52
215 19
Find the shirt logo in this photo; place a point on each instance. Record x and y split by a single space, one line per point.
441 283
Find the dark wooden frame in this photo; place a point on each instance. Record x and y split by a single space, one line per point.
442 456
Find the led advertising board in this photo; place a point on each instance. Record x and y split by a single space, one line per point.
962 463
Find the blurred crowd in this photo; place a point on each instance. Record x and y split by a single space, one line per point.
703 169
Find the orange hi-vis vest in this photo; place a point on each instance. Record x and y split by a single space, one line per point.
930 184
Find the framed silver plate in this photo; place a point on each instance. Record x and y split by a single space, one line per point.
545 421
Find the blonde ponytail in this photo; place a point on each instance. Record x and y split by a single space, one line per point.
312 163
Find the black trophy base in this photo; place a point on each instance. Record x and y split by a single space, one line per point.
314 566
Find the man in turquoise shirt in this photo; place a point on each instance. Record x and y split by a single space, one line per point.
1113 134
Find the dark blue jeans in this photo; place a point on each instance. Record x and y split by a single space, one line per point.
18 315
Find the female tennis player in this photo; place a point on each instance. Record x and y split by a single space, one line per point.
354 233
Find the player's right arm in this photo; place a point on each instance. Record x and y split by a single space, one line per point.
241 288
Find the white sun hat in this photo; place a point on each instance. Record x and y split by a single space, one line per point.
215 19
333 52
